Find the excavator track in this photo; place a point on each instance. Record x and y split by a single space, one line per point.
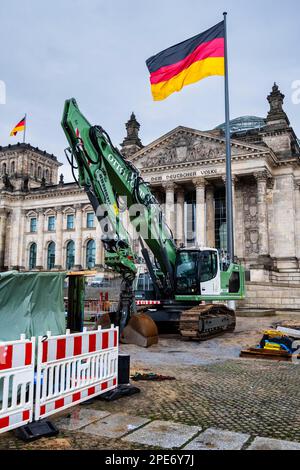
206 321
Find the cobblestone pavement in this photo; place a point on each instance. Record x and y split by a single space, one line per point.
214 388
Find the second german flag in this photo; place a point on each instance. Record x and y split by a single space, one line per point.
19 127
187 62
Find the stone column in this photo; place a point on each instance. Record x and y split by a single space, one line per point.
210 216
200 212
16 238
180 216
169 207
262 209
59 236
239 223
22 247
234 182
3 223
7 248
40 240
78 237
297 218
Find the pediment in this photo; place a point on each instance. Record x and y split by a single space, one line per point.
184 145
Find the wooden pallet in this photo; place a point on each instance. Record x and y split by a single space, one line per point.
255 353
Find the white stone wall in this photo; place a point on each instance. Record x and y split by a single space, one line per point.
278 296
284 220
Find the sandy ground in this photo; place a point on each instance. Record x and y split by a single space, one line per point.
173 351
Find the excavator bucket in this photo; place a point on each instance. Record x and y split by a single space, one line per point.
141 331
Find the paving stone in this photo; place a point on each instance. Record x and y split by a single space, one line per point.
79 418
217 439
262 443
165 434
115 425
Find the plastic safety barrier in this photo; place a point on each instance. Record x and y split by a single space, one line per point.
73 368
16 383
147 302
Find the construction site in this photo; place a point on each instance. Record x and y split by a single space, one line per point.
192 396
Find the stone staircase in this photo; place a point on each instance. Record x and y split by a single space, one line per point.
277 296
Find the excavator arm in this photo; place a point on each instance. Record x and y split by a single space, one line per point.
107 177
183 277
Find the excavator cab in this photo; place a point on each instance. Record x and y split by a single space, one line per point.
201 276
197 272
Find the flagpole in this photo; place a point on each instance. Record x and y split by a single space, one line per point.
24 132
229 201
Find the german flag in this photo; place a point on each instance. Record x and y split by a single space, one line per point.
19 127
187 62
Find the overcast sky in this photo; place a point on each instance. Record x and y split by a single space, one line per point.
95 51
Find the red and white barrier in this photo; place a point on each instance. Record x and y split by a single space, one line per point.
16 383
73 368
147 302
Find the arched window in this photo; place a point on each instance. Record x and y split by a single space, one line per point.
90 254
47 175
12 167
70 257
39 172
32 256
51 256
4 169
32 169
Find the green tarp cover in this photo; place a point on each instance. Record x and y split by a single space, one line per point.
31 303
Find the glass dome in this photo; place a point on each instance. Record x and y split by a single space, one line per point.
244 124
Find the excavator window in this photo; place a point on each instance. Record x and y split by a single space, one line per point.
208 265
187 277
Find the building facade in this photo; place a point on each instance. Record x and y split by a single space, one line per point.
44 224
49 224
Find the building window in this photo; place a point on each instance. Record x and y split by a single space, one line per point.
190 218
32 169
32 256
51 223
39 172
90 220
70 258
70 221
4 169
51 256
220 220
90 254
47 175
12 167
33 224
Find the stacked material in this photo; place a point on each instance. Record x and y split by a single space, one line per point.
281 344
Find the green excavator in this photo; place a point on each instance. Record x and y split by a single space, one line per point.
188 285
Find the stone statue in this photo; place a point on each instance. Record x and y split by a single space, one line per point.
8 186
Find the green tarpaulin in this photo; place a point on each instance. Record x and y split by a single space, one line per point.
31 303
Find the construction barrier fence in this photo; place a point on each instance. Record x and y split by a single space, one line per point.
16 383
70 369
74 368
